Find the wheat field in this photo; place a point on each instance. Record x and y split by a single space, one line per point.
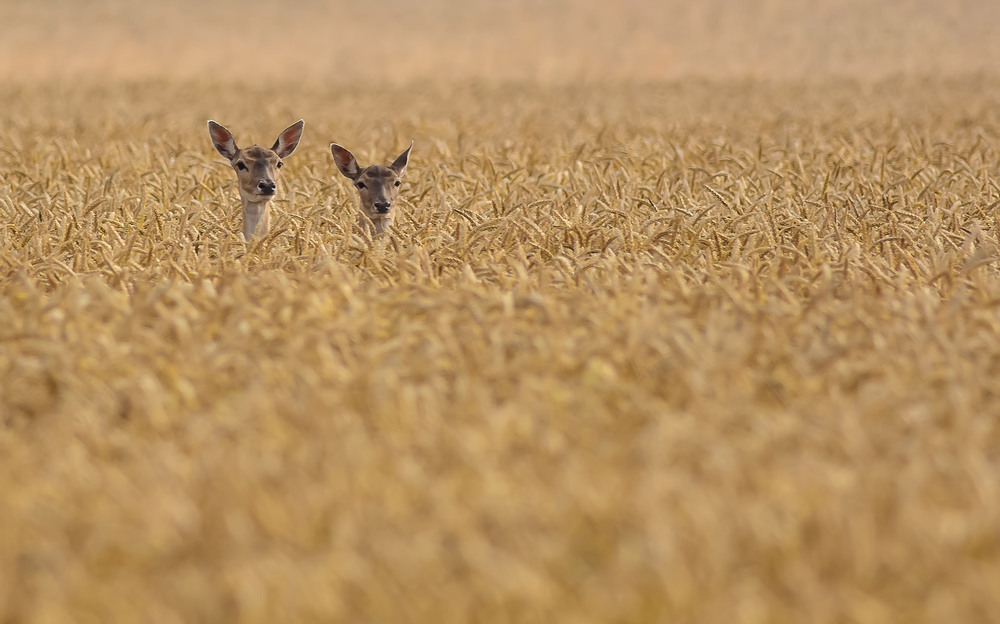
665 331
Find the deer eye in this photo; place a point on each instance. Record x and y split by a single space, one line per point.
361 185
241 166
280 164
398 182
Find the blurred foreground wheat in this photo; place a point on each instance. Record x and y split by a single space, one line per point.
714 353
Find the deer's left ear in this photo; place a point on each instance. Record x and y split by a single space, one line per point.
288 140
399 165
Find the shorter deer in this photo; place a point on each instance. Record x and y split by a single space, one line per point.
257 172
377 185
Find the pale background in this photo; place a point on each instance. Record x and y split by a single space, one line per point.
520 40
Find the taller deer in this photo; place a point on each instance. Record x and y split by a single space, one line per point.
257 172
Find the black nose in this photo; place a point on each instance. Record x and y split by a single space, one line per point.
382 207
266 187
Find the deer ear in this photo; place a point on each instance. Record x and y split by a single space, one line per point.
346 162
288 140
223 141
399 165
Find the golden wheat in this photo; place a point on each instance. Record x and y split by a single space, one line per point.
699 352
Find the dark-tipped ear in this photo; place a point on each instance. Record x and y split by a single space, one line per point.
223 141
346 162
288 140
399 165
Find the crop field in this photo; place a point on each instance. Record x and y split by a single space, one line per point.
666 330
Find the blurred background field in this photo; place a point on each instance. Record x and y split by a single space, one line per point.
692 314
556 41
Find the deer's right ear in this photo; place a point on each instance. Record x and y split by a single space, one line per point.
346 162
288 140
223 141
399 165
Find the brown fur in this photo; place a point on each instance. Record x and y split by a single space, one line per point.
378 187
256 171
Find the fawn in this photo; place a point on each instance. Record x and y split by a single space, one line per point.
378 186
257 172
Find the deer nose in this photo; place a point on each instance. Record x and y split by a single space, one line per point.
266 187
382 207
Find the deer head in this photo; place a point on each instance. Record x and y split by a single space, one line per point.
256 171
378 185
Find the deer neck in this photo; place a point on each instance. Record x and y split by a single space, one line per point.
256 218
376 225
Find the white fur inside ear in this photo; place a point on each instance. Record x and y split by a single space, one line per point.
345 160
288 140
223 141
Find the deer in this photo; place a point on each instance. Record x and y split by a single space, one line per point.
256 171
378 187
